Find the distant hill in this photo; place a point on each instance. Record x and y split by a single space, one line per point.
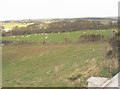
60 25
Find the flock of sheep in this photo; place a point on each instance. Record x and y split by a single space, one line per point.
84 37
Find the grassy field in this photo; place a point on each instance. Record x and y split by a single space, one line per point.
58 37
12 25
54 65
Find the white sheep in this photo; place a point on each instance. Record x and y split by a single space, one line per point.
46 34
2 44
46 37
17 39
58 32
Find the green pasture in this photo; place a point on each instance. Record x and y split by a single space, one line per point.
58 37
12 25
52 65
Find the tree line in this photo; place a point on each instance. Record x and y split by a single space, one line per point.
60 26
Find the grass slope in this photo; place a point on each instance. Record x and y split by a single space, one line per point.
51 65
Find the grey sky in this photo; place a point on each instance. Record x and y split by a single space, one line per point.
33 9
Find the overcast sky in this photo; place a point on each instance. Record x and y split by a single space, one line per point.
33 9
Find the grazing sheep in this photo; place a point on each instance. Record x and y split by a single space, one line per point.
58 32
2 44
17 39
46 34
46 37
